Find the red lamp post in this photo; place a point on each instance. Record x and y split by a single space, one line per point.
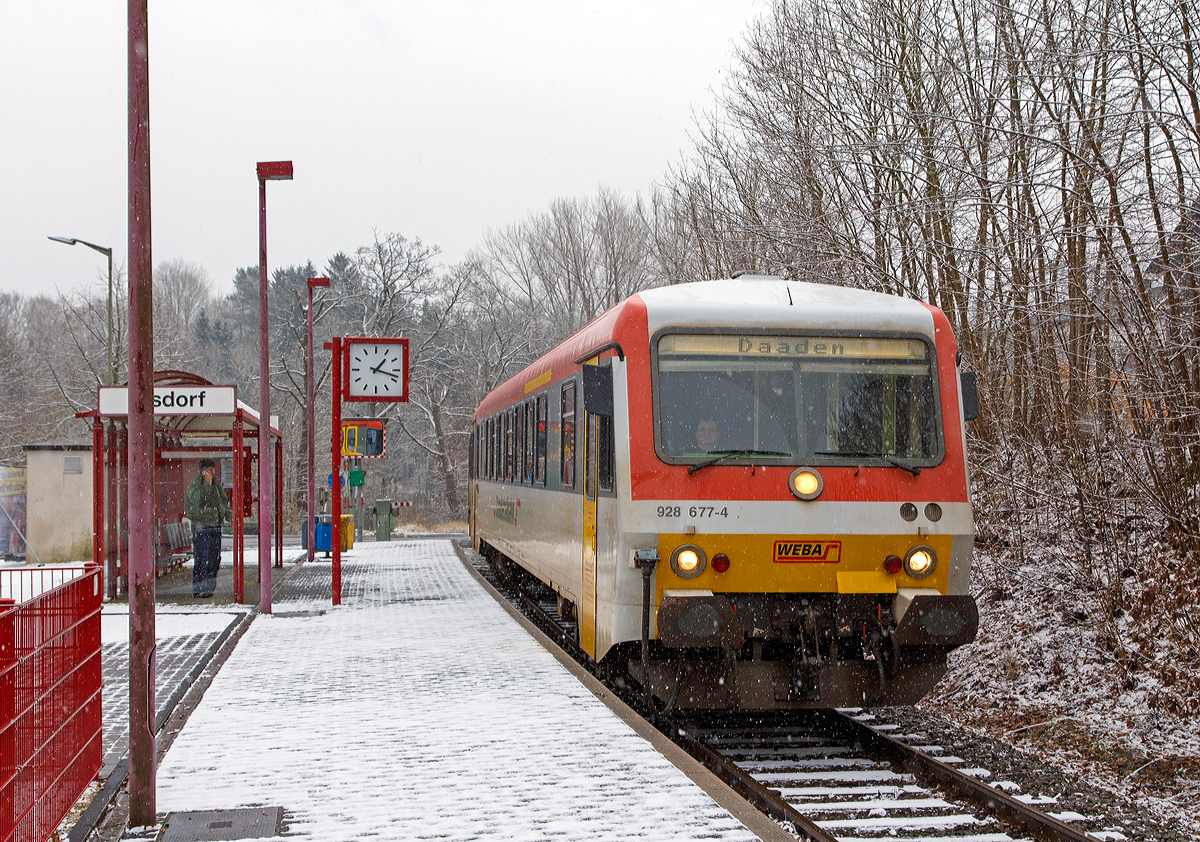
267 171
312 441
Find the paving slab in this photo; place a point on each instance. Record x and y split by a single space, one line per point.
419 709
182 642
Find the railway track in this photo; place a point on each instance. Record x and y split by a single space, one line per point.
830 775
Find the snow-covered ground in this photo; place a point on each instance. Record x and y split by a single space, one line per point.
417 710
1049 675
168 621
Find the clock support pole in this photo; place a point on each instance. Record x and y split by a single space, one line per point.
335 532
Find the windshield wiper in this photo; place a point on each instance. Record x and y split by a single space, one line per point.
725 454
863 454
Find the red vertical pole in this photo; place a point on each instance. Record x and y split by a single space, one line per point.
141 430
310 396
112 550
310 420
311 389
122 483
335 534
97 490
264 415
239 513
279 502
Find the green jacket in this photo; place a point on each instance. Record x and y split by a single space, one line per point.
206 505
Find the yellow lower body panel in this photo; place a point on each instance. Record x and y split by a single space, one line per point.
783 563
866 581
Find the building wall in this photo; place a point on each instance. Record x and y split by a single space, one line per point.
59 502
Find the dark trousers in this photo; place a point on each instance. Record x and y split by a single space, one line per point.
206 558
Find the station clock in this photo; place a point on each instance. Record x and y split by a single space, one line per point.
376 369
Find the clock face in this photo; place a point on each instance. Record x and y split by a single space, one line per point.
377 370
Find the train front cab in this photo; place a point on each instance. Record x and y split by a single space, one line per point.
830 585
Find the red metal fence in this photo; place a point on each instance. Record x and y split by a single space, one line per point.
50 727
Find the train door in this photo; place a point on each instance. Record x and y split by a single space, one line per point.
587 608
597 404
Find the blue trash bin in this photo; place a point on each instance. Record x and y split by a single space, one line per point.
323 535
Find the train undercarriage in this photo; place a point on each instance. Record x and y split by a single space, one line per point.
762 651
774 651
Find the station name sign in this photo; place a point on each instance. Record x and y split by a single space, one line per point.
174 400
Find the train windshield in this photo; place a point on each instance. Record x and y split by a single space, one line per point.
796 399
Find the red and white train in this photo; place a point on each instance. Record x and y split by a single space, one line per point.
786 463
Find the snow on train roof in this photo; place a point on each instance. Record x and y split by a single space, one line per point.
765 302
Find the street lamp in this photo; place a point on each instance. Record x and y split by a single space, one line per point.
112 364
312 441
267 171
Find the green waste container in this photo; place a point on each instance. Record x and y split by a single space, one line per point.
383 520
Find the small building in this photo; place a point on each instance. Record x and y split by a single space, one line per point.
58 502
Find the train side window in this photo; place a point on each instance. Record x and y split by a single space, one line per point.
516 445
589 458
508 445
491 448
568 435
519 444
529 427
604 458
539 475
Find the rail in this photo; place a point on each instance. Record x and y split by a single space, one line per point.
50 714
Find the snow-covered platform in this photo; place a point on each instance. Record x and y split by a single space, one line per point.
419 709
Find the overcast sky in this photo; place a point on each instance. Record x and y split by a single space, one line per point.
436 120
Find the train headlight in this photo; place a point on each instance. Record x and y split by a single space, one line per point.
688 561
806 483
920 562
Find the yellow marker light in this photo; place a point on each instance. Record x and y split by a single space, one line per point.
806 483
688 561
920 562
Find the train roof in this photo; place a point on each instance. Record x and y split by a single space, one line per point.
762 301
758 302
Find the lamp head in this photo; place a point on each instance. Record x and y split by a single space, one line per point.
275 170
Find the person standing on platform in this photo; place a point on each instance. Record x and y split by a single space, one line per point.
207 507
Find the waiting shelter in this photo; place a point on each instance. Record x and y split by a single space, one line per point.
193 420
